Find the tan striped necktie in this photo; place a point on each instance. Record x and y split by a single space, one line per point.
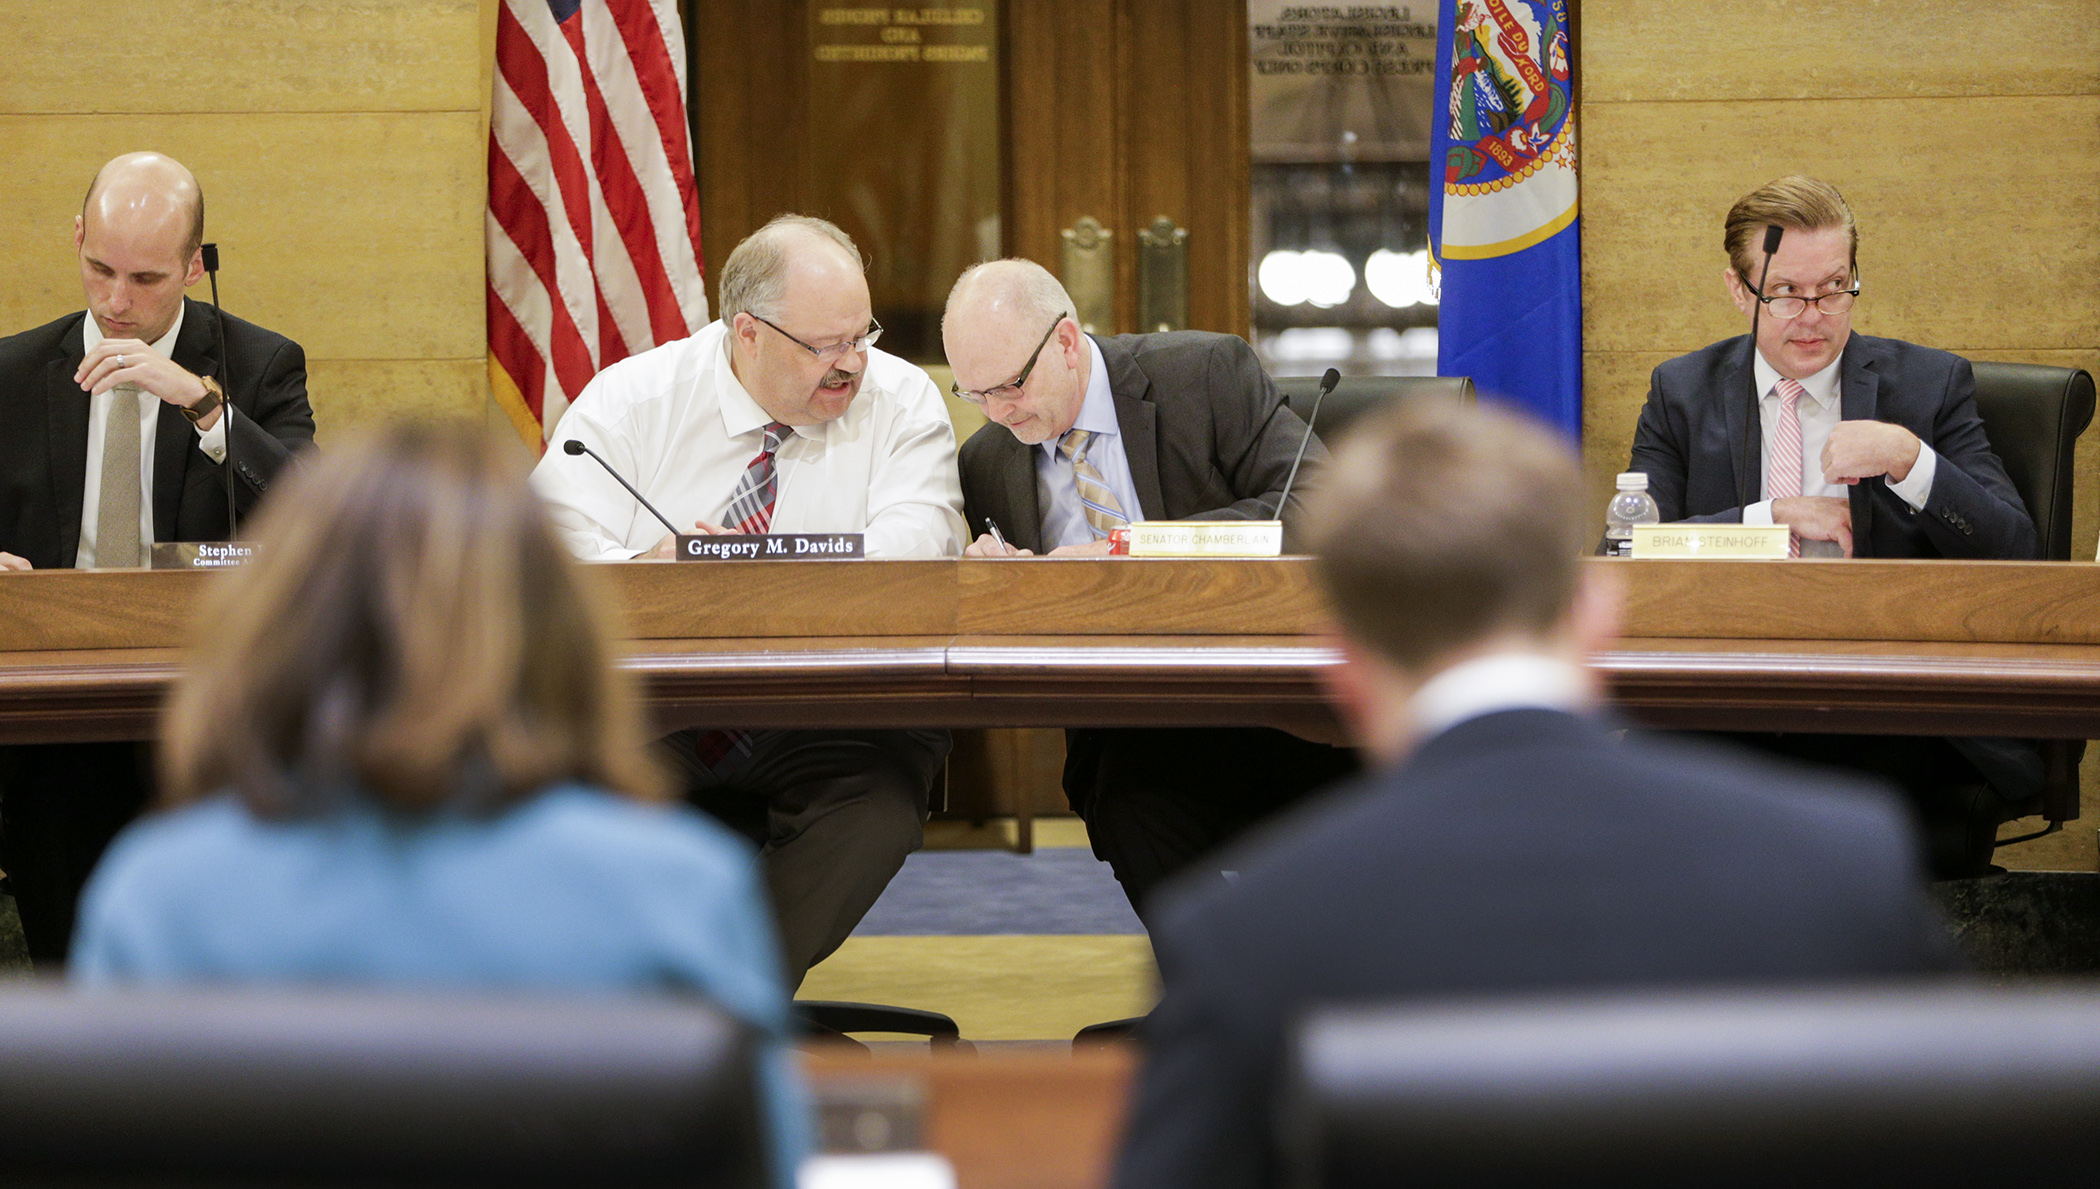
1103 510
117 510
1783 473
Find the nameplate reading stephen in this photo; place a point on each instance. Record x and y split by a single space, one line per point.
202 555
769 547
1710 540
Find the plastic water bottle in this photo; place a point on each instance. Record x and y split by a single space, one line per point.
1632 505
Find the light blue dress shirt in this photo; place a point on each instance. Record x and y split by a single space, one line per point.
1056 492
573 891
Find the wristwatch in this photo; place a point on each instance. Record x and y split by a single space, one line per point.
214 396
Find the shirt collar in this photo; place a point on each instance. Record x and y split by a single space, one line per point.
741 412
1821 388
1503 681
1097 409
91 334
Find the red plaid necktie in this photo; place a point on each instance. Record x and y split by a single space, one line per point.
1783 469
750 511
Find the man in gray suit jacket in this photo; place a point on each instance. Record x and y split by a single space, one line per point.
1088 432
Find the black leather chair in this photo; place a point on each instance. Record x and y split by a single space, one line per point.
2033 415
1356 395
1902 1086
295 1088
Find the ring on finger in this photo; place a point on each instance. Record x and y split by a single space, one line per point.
120 361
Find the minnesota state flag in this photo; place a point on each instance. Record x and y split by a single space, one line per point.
1502 207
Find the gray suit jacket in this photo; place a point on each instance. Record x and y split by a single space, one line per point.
1207 435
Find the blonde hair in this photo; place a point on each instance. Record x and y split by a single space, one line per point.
1793 202
754 278
1438 525
410 631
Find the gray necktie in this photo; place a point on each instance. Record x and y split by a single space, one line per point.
117 517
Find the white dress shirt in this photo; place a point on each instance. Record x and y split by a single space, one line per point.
147 407
1491 684
677 423
1056 491
1819 412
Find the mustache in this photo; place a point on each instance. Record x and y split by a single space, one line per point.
835 376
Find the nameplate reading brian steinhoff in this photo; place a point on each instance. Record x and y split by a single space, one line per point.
202 555
769 547
1206 538
1710 540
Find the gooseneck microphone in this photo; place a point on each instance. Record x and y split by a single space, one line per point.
572 446
1751 465
218 321
1327 383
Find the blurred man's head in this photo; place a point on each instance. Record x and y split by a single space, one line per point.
1015 345
795 297
138 236
1444 533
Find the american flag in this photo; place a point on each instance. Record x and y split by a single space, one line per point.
594 220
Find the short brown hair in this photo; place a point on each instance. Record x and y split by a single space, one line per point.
411 631
1793 202
1439 525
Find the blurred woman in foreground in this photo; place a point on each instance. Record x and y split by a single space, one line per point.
401 755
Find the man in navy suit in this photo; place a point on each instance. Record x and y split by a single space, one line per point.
1865 447
1506 843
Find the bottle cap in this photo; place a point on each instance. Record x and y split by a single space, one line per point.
1633 481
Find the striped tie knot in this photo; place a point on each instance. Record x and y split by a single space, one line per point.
751 505
1104 512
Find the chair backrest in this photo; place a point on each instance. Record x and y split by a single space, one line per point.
1356 395
2033 415
139 1088
1867 1087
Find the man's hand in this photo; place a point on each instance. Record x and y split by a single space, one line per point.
1090 549
129 361
1863 449
667 548
990 546
1817 518
9 561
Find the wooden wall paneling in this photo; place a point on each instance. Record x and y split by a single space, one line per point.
1063 81
750 81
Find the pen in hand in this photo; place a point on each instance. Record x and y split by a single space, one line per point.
998 536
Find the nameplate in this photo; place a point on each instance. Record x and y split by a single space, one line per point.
1206 538
769 547
1710 540
201 555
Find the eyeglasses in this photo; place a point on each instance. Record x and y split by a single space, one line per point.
1008 390
1790 306
831 353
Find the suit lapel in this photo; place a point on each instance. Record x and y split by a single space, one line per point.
174 440
1137 421
1745 436
1859 399
67 417
1020 513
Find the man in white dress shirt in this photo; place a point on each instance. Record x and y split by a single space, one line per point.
780 417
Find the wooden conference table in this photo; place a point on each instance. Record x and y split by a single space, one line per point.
1876 647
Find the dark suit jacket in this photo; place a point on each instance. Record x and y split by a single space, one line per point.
1207 435
1517 852
1700 446
44 430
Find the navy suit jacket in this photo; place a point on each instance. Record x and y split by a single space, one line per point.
1699 443
1518 852
1207 435
44 433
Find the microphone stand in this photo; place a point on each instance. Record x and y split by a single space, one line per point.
1773 232
218 321
1327 383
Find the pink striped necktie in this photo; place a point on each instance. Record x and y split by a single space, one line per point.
1783 469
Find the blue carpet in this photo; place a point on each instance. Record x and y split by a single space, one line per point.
1056 890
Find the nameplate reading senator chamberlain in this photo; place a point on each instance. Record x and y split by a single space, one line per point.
769 547
1710 540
